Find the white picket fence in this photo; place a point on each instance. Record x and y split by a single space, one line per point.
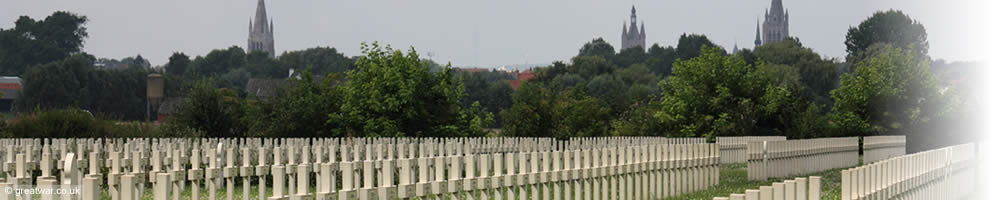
734 149
878 148
771 159
946 173
364 168
792 189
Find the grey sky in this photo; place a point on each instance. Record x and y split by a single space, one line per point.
483 33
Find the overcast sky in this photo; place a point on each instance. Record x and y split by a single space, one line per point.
480 32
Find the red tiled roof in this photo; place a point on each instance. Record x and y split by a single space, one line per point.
473 69
10 86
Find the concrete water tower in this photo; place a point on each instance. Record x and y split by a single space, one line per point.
154 92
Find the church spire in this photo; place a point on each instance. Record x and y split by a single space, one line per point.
624 29
261 31
633 14
642 31
776 7
633 32
756 42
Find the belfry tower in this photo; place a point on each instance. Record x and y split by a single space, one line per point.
775 23
261 32
632 36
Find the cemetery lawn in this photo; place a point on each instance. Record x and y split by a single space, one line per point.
733 179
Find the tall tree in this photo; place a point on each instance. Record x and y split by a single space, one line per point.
630 56
539 111
178 64
689 45
716 95
216 112
597 47
891 27
322 60
75 82
33 42
137 62
302 112
396 94
261 65
220 61
818 76
892 92
661 60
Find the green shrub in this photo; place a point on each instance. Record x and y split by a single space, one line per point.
59 123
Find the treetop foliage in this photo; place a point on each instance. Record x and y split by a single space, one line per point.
33 42
396 94
892 27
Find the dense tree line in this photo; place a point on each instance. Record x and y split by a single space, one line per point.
886 85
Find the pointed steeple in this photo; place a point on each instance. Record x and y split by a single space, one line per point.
735 49
624 29
633 14
642 31
756 42
261 31
260 19
776 7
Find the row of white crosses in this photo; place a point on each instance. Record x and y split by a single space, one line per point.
770 159
946 173
878 148
22 157
734 149
365 168
792 189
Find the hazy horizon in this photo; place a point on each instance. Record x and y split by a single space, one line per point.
484 33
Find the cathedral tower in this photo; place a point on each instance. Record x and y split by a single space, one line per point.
775 23
632 36
261 32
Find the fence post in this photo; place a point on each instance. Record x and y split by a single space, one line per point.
752 195
766 193
558 165
778 190
814 187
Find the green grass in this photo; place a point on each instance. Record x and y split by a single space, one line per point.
733 179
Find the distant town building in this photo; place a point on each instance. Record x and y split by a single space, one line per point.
633 36
261 32
775 24
11 88
521 78
471 69
168 107
266 88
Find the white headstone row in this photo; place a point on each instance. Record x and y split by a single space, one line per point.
792 189
365 168
776 159
878 148
734 149
946 173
